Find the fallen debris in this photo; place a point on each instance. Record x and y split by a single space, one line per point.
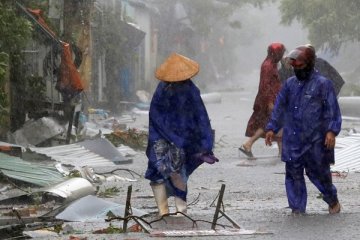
108 192
70 190
37 131
11 149
132 137
93 209
29 172
347 157
92 153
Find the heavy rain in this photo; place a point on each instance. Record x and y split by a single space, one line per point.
201 119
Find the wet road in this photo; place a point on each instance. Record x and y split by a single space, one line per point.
255 194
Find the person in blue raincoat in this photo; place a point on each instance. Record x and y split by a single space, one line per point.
307 110
180 134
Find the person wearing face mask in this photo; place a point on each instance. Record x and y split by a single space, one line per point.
307 110
323 66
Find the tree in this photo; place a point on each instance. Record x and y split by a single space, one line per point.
331 23
15 31
200 30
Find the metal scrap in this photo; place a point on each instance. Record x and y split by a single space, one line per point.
36 131
30 172
347 156
71 189
93 209
93 153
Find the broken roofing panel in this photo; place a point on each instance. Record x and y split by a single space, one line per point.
347 156
30 172
11 149
92 153
36 131
94 209
347 141
104 148
347 159
64 192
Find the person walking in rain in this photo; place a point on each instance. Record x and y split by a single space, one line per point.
308 111
180 134
269 87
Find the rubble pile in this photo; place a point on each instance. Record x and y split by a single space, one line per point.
44 181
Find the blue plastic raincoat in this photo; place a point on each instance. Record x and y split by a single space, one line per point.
306 110
177 117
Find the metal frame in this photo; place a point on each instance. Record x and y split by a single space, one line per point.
218 210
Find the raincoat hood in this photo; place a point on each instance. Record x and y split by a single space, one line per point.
302 55
276 51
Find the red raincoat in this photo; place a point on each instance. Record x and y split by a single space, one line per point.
269 87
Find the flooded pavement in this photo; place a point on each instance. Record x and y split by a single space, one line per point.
254 194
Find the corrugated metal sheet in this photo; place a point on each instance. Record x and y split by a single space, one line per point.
80 154
347 154
36 131
74 155
347 141
104 148
29 172
94 209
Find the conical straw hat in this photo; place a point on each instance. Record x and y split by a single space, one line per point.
177 68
